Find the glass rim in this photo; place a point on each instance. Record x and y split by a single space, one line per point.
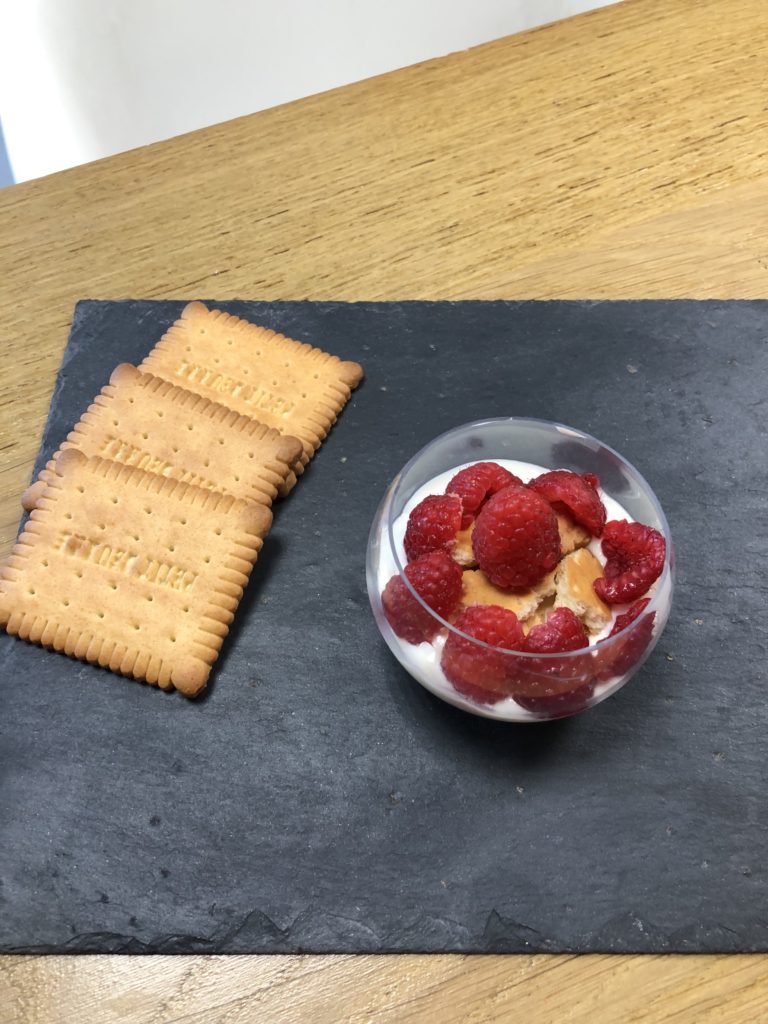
520 421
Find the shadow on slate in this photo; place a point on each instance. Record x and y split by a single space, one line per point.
319 800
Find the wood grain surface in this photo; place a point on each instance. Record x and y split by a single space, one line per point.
620 154
384 990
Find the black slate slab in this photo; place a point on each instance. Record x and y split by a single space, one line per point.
317 799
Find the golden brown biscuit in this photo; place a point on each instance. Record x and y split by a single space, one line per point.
293 387
477 589
146 422
574 577
572 535
539 617
132 571
462 551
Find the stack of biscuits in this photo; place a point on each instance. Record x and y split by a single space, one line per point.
146 523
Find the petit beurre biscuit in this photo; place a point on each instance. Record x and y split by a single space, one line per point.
478 589
462 551
136 572
572 534
291 386
540 616
574 582
146 422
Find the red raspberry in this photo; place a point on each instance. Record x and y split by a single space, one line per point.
563 631
436 578
622 621
516 541
475 484
592 479
635 555
623 655
478 694
546 678
570 493
473 669
560 705
432 525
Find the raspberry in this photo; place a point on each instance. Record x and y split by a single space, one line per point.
623 655
477 693
560 705
432 525
475 484
475 670
635 558
561 632
570 493
436 578
543 678
622 621
516 540
592 479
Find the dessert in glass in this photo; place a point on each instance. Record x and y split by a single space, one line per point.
520 569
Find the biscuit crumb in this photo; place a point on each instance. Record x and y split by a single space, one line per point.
462 550
572 535
574 577
539 617
479 590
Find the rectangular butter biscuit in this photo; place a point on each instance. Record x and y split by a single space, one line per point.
132 571
291 386
144 421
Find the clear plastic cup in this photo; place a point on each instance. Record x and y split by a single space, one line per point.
537 687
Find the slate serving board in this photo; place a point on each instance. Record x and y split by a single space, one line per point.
317 799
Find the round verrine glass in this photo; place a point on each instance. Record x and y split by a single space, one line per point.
537 688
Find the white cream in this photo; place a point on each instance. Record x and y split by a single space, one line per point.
423 660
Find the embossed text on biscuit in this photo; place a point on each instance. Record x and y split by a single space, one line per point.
258 397
122 451
130 563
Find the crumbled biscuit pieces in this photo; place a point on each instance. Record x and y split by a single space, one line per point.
462 550
477 589
574 578
572 534
539 617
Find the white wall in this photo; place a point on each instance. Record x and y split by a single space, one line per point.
81 79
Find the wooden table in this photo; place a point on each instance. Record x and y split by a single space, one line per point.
620 154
